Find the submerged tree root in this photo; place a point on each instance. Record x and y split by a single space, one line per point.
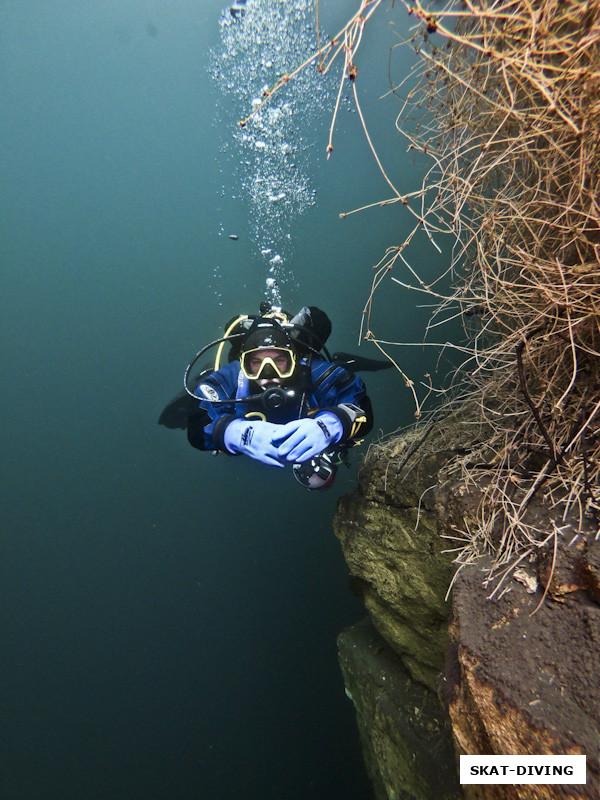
509 97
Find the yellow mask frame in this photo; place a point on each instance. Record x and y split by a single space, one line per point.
253 376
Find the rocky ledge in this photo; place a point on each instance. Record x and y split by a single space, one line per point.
510 681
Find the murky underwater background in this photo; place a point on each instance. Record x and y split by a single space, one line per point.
169 618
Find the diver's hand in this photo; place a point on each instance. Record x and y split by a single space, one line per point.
305 438
254 439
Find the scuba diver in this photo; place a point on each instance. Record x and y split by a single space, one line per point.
281 398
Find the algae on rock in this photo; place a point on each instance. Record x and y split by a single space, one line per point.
405 733
389 535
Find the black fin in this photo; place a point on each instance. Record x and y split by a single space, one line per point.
359 363
176 413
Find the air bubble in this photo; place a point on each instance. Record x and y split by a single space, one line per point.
272 40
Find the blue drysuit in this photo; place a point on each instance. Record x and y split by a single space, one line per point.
329 388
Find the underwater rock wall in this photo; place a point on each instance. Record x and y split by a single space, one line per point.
404 731
522 683
388 531
510 681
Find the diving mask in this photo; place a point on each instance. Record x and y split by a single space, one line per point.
268 362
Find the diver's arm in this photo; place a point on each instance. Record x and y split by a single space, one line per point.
217 427
309 436
206 427
357 420
344 394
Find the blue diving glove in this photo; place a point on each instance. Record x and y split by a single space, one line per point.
254 438
305 438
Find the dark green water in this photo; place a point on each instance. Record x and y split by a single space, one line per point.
169 618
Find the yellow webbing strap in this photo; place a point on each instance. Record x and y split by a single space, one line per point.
356 426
